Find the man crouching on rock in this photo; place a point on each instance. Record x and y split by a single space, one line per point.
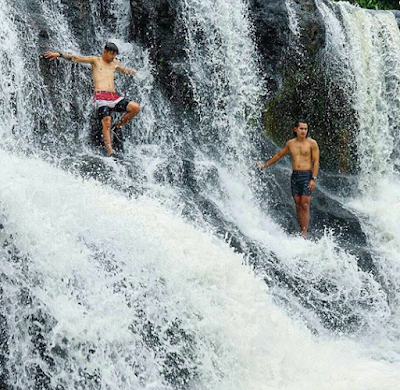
305 163
105 98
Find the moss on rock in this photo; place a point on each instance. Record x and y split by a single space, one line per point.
308 91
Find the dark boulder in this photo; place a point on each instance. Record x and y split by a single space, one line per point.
397 16
78 13
301 87
272 36
156 25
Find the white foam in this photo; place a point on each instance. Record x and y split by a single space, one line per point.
369 44
243 339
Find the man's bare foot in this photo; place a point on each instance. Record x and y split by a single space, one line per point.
110 151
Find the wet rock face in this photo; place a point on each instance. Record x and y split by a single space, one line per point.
298 86
156 25
272 35
397 16
312 29
79 15
307 90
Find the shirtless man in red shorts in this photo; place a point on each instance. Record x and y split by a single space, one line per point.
105 98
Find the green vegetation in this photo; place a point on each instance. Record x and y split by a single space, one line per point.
377 4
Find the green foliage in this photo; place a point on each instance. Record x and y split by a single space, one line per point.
377 4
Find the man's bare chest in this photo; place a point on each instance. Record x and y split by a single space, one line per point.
102 70
300 150
105 71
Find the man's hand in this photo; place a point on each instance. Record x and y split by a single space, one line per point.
311 185
51 55
260 164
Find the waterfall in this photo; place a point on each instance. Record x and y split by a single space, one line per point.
367 44
119 275
224 72
294 23
119 294
364 47
12 79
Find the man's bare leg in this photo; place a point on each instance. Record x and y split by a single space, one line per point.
106 123
132 110
303 212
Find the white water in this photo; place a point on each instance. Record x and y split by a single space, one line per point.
91 259
368 45
12 79
224 73
294 27
293 19
95 270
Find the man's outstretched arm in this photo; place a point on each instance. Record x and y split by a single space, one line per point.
53 55
125 70
274 158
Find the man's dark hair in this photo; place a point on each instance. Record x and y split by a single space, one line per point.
111 47
297 124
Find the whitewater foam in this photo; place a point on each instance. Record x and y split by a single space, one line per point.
92 252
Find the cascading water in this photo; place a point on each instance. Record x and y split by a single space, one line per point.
367 47
293 23
224 71
111 275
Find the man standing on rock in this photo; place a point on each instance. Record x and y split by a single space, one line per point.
305 164
105 97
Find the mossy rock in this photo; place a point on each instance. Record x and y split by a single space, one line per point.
307 90
307 93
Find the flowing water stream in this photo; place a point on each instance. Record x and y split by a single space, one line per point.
121 276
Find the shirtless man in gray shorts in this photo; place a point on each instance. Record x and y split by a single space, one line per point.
105 97
305 164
